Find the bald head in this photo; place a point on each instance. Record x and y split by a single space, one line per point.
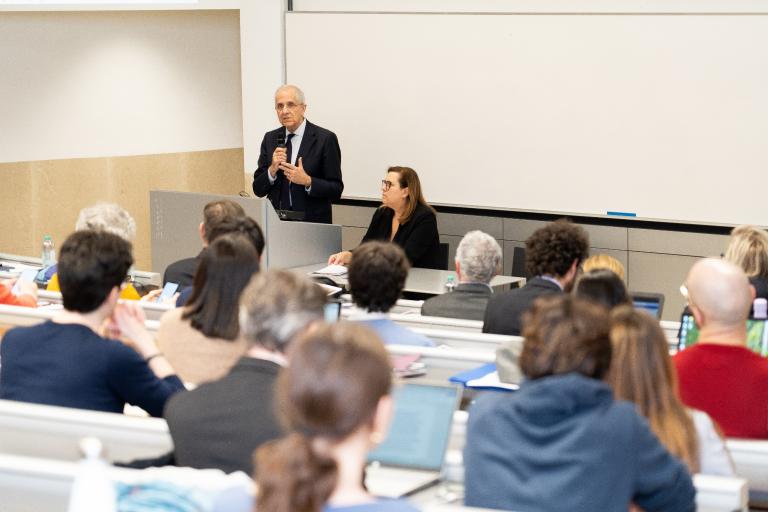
720 291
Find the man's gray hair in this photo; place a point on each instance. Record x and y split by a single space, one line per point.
109 218
479 257
276 306
297 93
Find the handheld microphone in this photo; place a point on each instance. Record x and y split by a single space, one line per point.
281 140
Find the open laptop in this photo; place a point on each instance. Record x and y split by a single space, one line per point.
757 334
411 457
652 303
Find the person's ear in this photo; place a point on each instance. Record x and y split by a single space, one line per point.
404 191
201 230
458 270
382 418
752 293
698 315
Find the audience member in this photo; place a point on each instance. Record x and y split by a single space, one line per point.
108 218
604 261
553 256
219 424
376 278
243 225
642 373
335 400
202 340
26 296
748 250
719 374
603 287
404 218
478 259
66 361
562 441
182 272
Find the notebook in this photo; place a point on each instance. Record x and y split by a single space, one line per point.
411 457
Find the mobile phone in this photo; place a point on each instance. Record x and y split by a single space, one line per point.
332 311
168 290
28 275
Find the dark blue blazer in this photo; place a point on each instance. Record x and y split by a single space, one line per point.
321 158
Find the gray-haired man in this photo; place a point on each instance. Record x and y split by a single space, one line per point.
478 259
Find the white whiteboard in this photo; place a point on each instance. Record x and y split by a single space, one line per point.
664 116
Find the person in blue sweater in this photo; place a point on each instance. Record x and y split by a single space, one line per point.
66 361
334 398
562 442
376 276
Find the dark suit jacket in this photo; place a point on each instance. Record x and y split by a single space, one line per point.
321 157
504 311
182 272
467 301
418 237
221 423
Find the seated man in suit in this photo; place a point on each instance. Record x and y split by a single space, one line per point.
553 256
376 276
182 272
478 259
299 163
221 423
66 361
719 374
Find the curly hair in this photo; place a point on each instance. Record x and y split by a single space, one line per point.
377 275
552 249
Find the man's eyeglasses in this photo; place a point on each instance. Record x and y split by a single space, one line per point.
386 185
285 106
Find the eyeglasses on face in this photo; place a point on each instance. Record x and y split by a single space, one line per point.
285 106
386 185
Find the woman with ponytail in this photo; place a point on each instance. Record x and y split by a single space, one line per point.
642 372
335 401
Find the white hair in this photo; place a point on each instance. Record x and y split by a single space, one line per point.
298 93
107 217
479 257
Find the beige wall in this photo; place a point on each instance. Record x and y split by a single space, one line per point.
44 197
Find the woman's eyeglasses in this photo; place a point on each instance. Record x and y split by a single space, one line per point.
386 185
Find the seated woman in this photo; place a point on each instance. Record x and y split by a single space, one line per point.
562 441
67 362
376 278
642 373
748 250
405 218
202 340
335 400
603 287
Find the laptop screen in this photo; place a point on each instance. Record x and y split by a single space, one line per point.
649 306
421 427
757 334
652 303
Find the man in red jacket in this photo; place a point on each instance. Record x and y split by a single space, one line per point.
720 375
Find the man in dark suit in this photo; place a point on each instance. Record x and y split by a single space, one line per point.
182 272
219 424
478 259
553 255
299 163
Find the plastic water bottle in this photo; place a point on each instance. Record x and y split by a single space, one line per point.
49 252
450 284
760 308
92 490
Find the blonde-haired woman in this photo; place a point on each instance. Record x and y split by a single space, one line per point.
603 261
642 372
748 250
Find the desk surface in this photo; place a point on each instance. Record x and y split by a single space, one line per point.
421 280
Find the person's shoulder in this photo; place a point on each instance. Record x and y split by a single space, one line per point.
424 211
380 505
319 130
